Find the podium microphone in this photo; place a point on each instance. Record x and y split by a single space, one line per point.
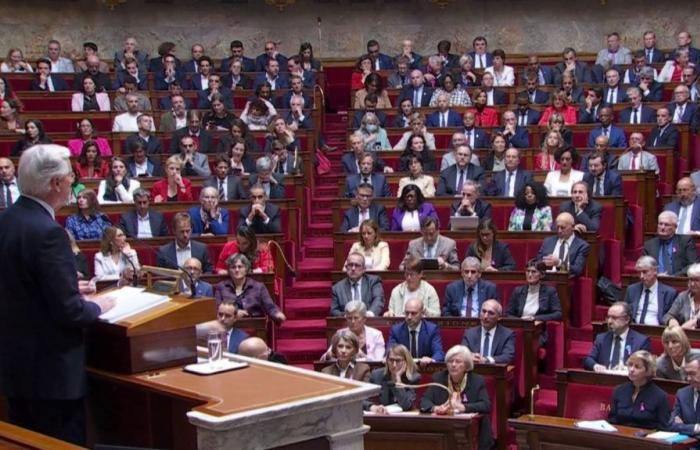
284 258
135 276
169 260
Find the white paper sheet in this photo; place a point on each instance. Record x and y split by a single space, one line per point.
129 301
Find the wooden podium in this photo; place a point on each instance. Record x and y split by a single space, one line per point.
160 337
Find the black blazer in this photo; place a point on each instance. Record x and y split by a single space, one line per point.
129 223
665 296
501 258
152 145
377 213
550 307
649 410
273 226
167 256
684 253
234 186
590 216
206 143
669 138
59 84
42 321
389 393
448 178
498 182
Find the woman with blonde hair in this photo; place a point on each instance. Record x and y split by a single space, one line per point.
676 353
375 251
399 368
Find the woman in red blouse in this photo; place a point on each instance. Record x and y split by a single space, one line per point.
172 188
246 243
559 105
363 67
485 116
90 163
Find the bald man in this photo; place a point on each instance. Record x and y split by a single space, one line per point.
686 206
490 342
254 347
564 252
420 336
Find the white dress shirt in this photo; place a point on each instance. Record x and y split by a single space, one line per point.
183 254
143 225
566 251
686 213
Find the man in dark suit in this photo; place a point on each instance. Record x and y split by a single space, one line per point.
649 300
42 361
141 165
565 251
636 112
272 183
490 342
613 92
145 136
47 81
195 130
296 85
674 252
684 41
444 117
201 78
475 137
262 216
664 134
534 95
92 67
197 52
507 183
174 254
215 87
493 95
652 90
236 49
652 54
616 135
685 417
271 54
593 103
169 71
201 288
548 304
417 91
298 118
682 110
480 55
229 185
421 337
272 76
525 115
612 348
465 297
541 74
370 106
234 78
367 176
686 206
515 134
365 209
142 221
295 68
357 285
166 103
470 204
602 180
452 179
450 60
585 210
351 160
380 61
570 65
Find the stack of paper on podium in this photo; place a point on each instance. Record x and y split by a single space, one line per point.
131 300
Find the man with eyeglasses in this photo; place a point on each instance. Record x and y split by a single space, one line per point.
674 252
470 204
433 245
201 288
612 348
380 61
452 179
194 129
263 217
686 206
357 286
490 342
214 87
564 252
169 74
649 299
364 209
465 297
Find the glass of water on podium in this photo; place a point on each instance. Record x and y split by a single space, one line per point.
215 349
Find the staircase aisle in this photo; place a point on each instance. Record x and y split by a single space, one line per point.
302 338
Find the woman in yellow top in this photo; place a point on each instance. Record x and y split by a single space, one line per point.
375 251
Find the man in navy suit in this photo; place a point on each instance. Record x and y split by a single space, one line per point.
367 176
507 183
417 91
452 179
270 54
613 92
144 135
481 57
296 90
525 115
42 362
174 254
649 300
686 206
273 76
674 252
565 250
593 104
141 165
236 48
570 65
490 342
682 110
534 95
205 67
444 117
226 317
470 205
421 337
192 66
193 266
380 61
585 210
134 222
684 41
685 417
351 160
602 180
475 137
616 135
45 80
464 298
294 67
652 55
450 60
261 215
652 90
365 209
516 135
493 96
664 134
370 106
215 87
541 74
357 286
636 112
612 348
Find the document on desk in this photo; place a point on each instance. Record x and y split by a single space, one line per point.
129 301
595 425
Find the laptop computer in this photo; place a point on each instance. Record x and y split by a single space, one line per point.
459 223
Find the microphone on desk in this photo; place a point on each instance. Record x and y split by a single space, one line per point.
168 260
534 389
135 276
286 263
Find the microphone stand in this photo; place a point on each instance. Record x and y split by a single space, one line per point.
450 409
190 281
284 258
135 276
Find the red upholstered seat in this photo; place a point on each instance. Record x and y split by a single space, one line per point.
47 103
555 347
581 307
588 402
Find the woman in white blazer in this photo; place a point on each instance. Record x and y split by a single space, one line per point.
117 187
115 255
502 75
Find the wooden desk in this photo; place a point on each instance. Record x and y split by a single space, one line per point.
544 432
13 437
420 432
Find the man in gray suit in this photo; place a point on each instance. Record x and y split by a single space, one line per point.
196 164
636 158
176 118
432 245
357 286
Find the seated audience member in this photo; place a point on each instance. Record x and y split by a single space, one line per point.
559 182
416 127
682 109
250 295
200 76
9 187
86 132
484 116
684 309
130 74
370 245
352 158
449 159
495 158
257 115
283 163
373 84
34 134
456 95
616 135
240 162
279 131
400 78
403 118
564 252
532 211
374 137
142 221
614 54
45 80
371 340
363 67
117 187
493 96
209 218
399 369
10 120
254 347
636 157
201 288
677 353
363 210
612 348
80 259
592 104
145 134
298 118
345 347
686 206
433 245
90 164
226 317
111 260
482 58
367 176
272 183
425 183
556 123
490 342
228 186
651 89
304 65
463 298
452 179
411 210
246 243
684 416
434 71
510 181
176 117
417 90
261 215
214 89
218 118
535 300
174 254
450 60
236 49
640 402
665 133
552 142
357 285
673 68
503 75
131 50
494 254
272 76
15 62
467 75
417 147
172 188
466 393
674 252
417 334
573 93
88 99
88 222
571 66
586 211
444 117
515 135
414 287
130 88
613 92
636 112
559 105
141 165
128 120
530 96
91 64
194 129
649 299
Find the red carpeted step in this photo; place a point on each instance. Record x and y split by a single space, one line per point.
578 350
323 202
327 190
308 308
580 333
302 329
318 252
320 229
302 351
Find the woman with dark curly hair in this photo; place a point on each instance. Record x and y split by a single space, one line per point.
532 211
411 210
